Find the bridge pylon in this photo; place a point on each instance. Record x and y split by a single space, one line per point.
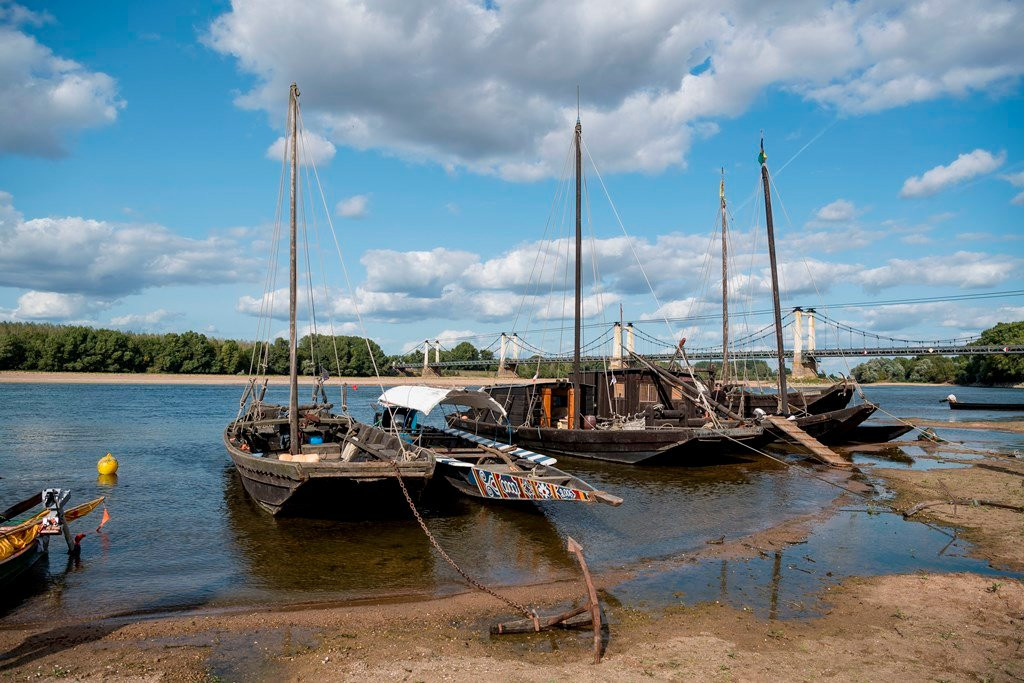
804 366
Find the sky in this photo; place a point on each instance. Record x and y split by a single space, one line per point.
141 156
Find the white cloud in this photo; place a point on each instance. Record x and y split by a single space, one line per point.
313 149
414 272
33 305
145 321
840 210
832 241
964 167
75 255
964 269
46 98
1017 180
356 206
681 308
962 319
491 84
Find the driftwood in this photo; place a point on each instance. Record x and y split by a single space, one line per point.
909 512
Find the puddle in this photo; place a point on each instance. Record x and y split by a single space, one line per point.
794 581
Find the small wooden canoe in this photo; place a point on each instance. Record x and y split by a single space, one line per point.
969 405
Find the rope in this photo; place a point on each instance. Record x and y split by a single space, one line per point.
525 611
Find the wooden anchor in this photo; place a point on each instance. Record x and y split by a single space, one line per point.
573 618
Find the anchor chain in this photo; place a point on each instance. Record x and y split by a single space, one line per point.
527 612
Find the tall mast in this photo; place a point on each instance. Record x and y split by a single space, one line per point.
293 362
725 286
577 409
783 400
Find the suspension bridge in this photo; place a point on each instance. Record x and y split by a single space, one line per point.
803 328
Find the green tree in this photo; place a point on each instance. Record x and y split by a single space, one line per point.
999 369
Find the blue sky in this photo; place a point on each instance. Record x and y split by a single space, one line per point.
139 193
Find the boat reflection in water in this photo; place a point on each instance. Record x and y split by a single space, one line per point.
325 559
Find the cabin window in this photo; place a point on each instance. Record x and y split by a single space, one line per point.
677 394
619 390
648 394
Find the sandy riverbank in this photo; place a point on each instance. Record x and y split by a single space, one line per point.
18 377
912 627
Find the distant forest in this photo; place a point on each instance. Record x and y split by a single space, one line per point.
985 370
72 348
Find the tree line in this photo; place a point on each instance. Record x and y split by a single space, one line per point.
74 348
985 370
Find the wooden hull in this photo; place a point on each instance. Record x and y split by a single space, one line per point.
875 433
836 397
325 487
833 427
959 405
648 446
16 565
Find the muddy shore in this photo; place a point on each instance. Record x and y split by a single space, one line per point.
920 626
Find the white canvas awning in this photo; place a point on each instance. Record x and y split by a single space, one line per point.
425 399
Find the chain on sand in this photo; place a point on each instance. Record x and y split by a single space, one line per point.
530 614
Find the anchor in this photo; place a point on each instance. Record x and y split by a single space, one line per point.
590 613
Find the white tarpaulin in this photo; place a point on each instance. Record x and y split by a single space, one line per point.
425 399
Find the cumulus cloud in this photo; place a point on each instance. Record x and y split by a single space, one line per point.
963 168
838 211
146 321
414 272
100 260
961 319
491 84
46 98
964 269
356 206
313 149
34 305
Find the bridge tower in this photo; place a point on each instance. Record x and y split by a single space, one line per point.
427 370
506 369
616 361
803 366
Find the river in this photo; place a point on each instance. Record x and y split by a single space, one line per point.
184 534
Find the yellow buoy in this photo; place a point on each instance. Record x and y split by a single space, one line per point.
107 464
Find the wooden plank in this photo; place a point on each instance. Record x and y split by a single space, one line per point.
818 450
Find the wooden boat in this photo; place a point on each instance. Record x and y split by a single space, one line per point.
875 433
24 543
588 416
967 405
304 457
744 401
474 465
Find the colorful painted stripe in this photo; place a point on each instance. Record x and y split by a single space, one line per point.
503 447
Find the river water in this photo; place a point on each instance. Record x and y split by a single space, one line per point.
184 534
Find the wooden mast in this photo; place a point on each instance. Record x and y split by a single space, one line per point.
293 366
576 398
783 399
725 286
